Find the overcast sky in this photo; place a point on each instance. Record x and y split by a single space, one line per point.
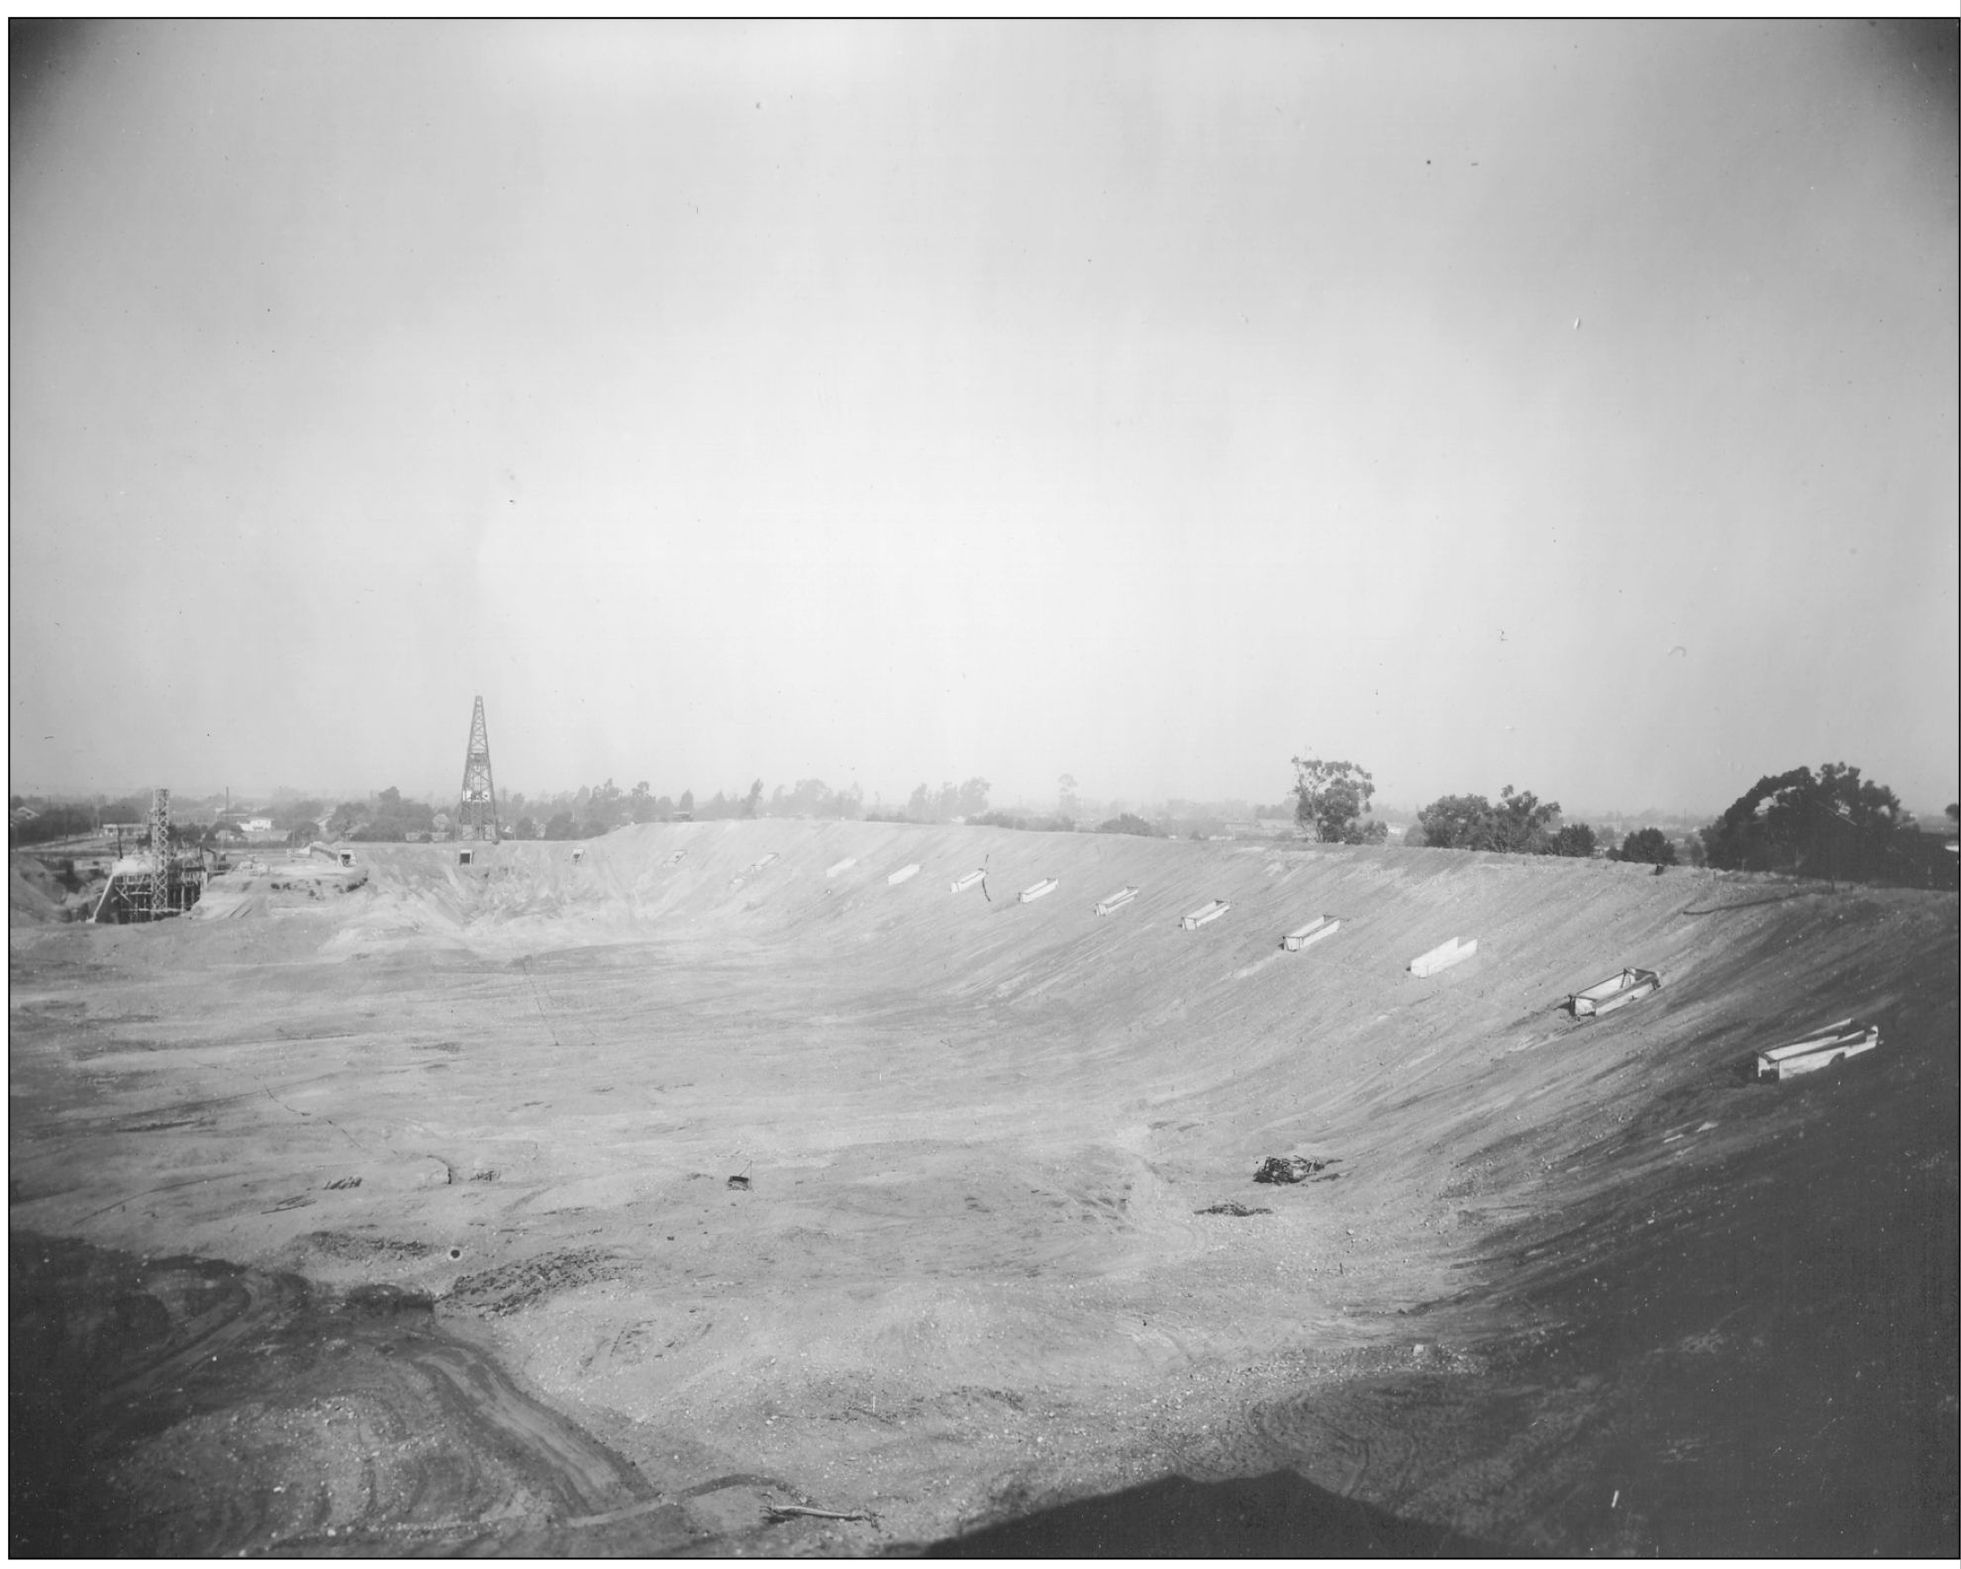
1570 406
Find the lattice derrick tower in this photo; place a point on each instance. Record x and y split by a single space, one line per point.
476 817
159 900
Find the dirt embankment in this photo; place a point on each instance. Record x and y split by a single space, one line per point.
1561 1286
45 888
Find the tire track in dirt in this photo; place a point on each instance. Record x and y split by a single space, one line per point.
582 1474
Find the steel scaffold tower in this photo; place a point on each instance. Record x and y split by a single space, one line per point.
161 881
159 900
476 818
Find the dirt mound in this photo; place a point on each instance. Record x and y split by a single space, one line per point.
1577 1286
155 1391
38 894
33 896
273 887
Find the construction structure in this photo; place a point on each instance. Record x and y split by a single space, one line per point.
476 816
160 882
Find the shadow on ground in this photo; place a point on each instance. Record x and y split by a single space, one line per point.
1274 1516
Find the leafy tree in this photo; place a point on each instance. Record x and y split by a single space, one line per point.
641 805
946 804
1520 823
392 818
1331 798
294 815
1061 825
525 829
1526 825
688 802
562 826
755 795
1574 839
59 821
1745 837
1828 824
128 810
1065 797
599 808
1128 823
1457 822
1648 845
814 798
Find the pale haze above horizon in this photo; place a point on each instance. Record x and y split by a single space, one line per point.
1571 406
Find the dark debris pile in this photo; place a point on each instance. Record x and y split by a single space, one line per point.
1291 1168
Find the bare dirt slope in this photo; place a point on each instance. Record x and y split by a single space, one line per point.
1566 1287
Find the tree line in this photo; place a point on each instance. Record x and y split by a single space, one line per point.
602 808
51 820
1832 824
592 810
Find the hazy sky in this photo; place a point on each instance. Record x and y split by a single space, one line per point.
1571 406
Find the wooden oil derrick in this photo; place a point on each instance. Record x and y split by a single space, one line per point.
476 816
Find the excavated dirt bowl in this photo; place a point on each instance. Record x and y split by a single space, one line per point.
399 1217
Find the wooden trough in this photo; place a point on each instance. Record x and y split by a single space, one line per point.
1116 901
961 884
1203 914
841 866
1617 991
1442 957
1306 936
1039 890
903 874
1834 1043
